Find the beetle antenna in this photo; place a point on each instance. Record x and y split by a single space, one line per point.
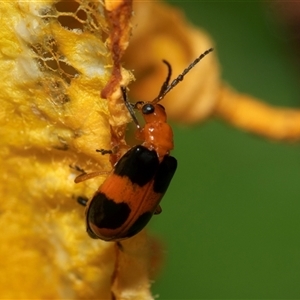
129 107
166 88
167 81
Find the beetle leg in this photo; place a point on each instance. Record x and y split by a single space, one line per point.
86 176
82 200
158 210
104 151
77 168
120 246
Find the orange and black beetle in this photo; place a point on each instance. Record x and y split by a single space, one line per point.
131 193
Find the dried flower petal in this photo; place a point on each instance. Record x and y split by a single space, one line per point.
163 33
54 62
251 114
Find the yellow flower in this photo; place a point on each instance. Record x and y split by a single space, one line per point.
55 61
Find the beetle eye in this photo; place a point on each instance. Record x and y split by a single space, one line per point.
148 109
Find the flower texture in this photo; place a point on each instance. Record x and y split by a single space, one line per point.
57 58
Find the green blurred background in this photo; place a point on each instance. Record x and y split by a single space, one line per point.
230 222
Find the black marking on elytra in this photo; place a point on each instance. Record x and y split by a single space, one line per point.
139 164
139 224
91 233
164 174
106 213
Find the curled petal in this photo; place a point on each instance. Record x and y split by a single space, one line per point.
162 32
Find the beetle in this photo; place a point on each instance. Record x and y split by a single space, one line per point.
130 195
